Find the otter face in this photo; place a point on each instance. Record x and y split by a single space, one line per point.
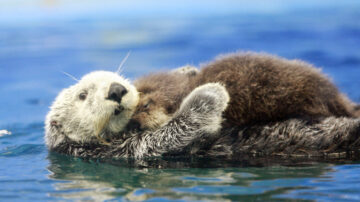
151 113
99 105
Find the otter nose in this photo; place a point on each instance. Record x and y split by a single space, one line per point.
133 125
116 92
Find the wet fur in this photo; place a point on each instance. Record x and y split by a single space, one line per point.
334 138
262 88
328 137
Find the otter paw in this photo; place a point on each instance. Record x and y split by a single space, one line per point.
187 70
209 98
205 105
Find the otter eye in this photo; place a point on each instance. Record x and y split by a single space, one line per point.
82 96
147 104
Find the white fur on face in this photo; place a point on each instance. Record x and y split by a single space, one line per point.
82 120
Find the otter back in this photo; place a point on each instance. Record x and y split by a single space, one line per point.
262 88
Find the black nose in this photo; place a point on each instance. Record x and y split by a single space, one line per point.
133 125
116 92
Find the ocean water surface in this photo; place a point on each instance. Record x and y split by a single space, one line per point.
43 38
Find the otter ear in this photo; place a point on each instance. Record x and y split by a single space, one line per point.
53 135
54 123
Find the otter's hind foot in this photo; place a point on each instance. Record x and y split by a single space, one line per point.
205 104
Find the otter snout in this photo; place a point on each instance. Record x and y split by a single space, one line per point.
134 125
116 92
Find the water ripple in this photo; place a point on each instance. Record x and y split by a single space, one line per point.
26 149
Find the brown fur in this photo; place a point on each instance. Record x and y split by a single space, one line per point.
160 96
262 88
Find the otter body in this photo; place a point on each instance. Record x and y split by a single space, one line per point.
262 88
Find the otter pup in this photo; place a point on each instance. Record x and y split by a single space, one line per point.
262 88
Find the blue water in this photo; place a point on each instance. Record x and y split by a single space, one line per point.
42 38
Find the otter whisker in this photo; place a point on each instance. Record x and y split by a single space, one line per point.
122 63
69 75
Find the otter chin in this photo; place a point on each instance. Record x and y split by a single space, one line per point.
96 108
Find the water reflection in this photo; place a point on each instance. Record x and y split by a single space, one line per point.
186 179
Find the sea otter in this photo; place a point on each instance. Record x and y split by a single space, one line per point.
262 88
87 120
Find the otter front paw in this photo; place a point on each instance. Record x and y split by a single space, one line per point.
187 70
205 105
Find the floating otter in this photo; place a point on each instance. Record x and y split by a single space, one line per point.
89 118
262 88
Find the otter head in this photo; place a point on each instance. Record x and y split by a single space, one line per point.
97 107
160 97
153 111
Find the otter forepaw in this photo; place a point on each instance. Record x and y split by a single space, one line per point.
209 98
205 105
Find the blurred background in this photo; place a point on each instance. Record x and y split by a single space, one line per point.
41 38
